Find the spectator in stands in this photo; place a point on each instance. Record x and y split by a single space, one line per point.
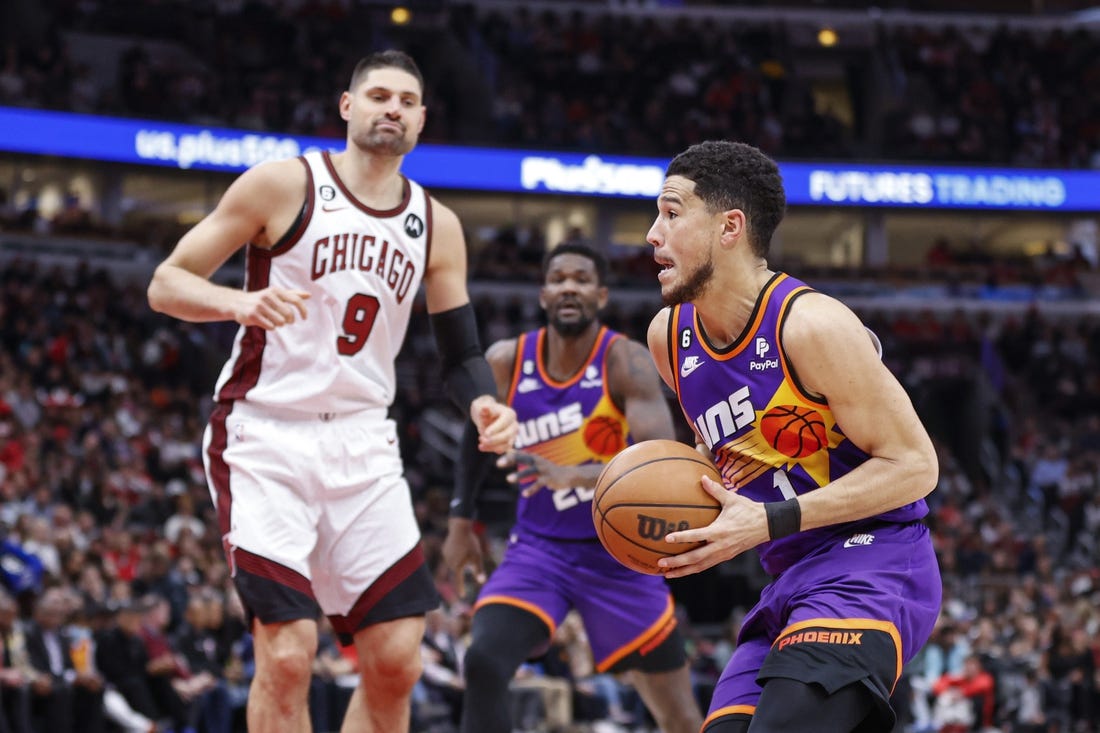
122 657
965 699
15 701
63 698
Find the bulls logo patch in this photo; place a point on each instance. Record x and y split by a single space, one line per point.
414 225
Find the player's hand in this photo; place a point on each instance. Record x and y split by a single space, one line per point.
271 308
462 550
496 423
542 473
740 525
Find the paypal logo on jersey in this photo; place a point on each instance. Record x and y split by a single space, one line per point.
762 348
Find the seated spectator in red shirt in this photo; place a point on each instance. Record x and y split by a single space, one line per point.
965 698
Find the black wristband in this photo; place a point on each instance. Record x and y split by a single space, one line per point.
784 517
472 468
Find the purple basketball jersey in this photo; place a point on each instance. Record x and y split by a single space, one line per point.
555 420
771 440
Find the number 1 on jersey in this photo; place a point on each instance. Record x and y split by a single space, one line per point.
781 481
359 318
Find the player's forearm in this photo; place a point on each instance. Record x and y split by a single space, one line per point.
184 295
877 486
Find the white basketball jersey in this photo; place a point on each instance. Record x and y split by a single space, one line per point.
362 269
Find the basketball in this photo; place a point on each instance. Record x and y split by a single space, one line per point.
646 491
794 431
604 436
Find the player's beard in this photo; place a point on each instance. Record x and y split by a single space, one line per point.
692 286
574 327
383 142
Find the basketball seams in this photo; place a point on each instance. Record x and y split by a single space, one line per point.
603 492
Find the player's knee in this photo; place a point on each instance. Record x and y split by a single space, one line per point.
396 671
485 665
287 668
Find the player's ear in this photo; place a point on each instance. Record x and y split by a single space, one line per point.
733 225
601 297
423 119
345 106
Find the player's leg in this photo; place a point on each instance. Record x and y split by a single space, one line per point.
662 678
278 699
631 625
670 699
369 570
389 666
503 636
269 531
790 706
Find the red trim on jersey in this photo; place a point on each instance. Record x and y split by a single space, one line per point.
398 573
427 229
406 196
219 470
579 374
297 228
246 370
273 571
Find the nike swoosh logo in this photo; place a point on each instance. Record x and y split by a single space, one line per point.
687 369
332 208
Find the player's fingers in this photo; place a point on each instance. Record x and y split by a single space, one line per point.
698 534
297 304
533 489
716 489
507 460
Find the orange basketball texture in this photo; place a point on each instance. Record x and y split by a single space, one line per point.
604 435
646 491
794 431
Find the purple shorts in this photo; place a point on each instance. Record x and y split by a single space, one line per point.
625 613
855 610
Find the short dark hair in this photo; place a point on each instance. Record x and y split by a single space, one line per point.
730 175
577 248
389 59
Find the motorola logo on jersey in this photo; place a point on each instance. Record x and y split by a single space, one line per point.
552 425
654 528
326 192
414 225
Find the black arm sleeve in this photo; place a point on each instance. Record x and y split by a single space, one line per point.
472 467
465 372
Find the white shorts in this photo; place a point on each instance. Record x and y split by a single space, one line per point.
314 502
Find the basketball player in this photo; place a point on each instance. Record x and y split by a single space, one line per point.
581 392
302 460
824 461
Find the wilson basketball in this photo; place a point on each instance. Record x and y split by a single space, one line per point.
794 431
604 435
646 491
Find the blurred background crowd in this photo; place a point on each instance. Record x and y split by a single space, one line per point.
116 610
